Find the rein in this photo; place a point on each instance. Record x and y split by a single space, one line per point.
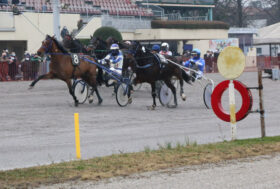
49 47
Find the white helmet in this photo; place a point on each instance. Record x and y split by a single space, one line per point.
114 46
127 42
165 45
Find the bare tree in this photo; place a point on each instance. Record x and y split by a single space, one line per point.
232 12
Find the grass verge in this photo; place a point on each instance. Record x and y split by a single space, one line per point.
148 160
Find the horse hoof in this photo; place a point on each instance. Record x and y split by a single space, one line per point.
183 96
100 102
76 104
90 99
129 100
30 87
153 107
171 106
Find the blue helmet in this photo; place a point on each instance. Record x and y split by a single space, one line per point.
196 51
114 46
156 48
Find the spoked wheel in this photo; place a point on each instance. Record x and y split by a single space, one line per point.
80 89
165 95
207 95
122 96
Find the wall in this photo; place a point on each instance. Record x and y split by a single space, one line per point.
27 25
90 28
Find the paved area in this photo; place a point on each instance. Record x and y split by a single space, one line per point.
254 173
37 126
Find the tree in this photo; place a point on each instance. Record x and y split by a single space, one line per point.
232 12
271 9
105 32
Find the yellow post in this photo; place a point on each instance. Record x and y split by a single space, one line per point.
77 135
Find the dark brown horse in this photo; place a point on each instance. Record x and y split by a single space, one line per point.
61 67
74 45
148 68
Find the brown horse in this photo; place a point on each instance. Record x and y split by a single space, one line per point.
61 67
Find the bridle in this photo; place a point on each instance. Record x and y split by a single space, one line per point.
49 47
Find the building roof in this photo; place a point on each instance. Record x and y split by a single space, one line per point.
242 31
268 35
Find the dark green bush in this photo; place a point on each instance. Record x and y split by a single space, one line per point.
105 32
156 24
84 41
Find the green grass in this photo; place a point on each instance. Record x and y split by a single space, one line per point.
128 163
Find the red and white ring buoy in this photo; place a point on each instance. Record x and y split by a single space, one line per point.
216 103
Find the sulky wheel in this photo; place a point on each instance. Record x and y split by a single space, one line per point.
80 89
122 95
208 89
165 95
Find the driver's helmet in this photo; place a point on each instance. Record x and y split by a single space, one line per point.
165 46
196 53
156 48
114 49
128 42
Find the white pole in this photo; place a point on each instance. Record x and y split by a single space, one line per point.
232 110
56 19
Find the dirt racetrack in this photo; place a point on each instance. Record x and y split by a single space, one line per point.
37 126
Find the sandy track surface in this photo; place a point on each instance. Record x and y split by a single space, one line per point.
252 173
37 126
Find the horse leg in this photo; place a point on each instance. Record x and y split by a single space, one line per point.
183 96
45 76
100 100
173 89
90 80
69 84
95 89
153 85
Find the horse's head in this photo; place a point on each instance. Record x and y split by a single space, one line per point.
110 40
137 49
94 42
68 41
46 46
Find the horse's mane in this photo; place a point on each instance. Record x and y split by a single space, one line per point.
59 46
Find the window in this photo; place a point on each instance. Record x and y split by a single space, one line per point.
259 51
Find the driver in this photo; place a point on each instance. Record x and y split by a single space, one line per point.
165 49
114 59
197 63
156 50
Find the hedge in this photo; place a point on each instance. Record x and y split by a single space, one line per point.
105 32
156 24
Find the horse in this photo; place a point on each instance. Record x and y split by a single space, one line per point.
61 67
110 40
74 45
148 68
99 47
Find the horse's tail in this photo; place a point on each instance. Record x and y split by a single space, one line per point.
186 77
99 77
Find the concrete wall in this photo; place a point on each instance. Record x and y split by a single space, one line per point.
90 28
27 28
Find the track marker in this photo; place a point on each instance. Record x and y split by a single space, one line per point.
77 135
